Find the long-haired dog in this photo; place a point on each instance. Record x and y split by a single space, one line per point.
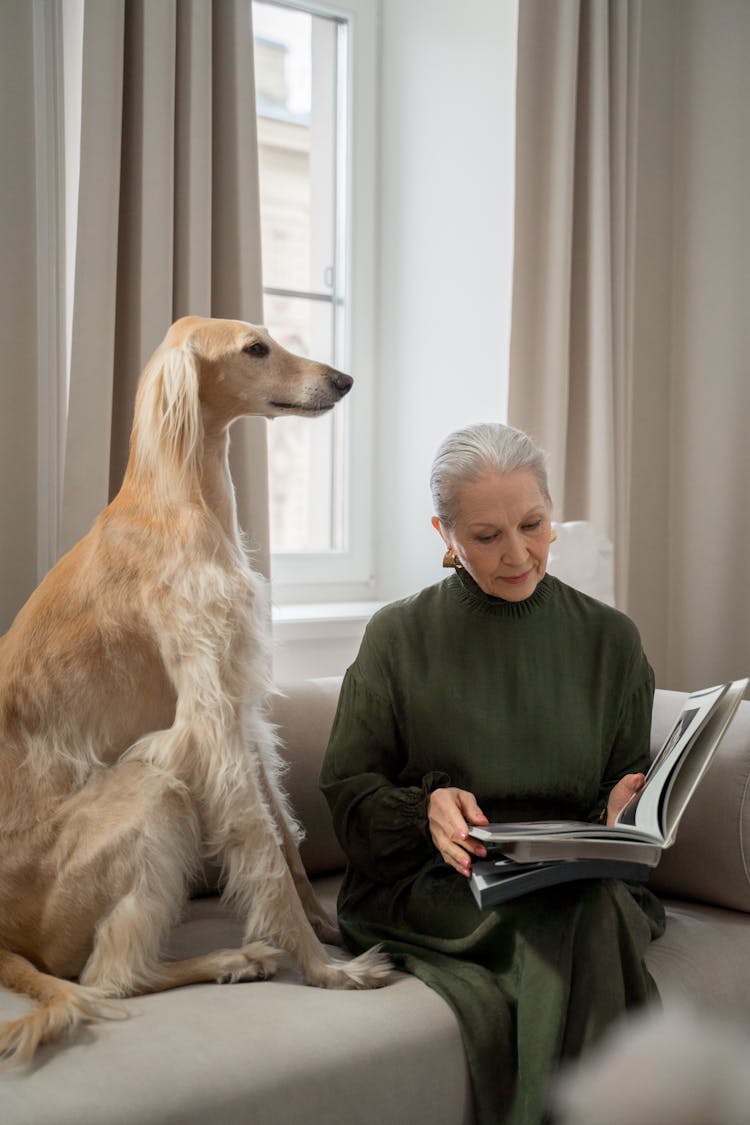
134 738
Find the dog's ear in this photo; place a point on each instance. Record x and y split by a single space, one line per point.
168 430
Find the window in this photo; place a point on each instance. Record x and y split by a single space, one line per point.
305 62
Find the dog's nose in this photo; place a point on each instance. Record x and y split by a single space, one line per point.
342 382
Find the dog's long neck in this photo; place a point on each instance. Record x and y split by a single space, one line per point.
216 483
206 482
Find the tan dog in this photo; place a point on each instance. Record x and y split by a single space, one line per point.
133 730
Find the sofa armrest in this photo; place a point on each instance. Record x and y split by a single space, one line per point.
709 860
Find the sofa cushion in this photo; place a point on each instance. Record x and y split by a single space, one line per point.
303 713
702 958
709 860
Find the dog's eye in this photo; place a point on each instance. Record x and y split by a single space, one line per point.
257 349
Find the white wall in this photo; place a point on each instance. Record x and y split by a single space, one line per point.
446 185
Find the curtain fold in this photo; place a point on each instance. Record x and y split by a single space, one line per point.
572 312
20 321
85 486
168 224
236 277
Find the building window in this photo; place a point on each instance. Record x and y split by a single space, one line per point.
303 81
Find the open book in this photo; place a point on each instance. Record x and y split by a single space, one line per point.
645 825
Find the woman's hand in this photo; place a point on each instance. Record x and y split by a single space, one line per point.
626 787
449 813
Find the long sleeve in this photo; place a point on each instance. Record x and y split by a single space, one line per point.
380 823
631 744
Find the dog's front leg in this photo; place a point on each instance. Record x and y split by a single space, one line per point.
290 833
221 761
243 834
322 925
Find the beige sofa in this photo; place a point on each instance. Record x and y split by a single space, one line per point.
281 1053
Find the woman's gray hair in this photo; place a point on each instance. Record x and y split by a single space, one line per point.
470 453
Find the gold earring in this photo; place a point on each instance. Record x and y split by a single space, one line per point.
451 560
553 536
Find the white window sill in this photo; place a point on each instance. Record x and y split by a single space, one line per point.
326 619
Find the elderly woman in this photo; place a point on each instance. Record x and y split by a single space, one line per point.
497 694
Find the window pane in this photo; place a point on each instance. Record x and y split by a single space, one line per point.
296 64
304 455
295 82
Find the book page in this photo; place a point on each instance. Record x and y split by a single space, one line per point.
612 846
532 830
683 784
645 809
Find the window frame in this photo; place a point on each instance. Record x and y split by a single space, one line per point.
348 574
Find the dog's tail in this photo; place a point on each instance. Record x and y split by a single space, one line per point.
63 1006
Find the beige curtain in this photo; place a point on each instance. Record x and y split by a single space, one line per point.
572 313
18 318
690 535
629 340
168 224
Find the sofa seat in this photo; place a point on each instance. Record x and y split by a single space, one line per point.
282 1053
702 960
263 1053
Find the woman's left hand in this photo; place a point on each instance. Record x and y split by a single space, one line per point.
626 787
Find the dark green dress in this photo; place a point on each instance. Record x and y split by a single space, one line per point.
538 708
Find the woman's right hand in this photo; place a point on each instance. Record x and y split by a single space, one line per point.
449 814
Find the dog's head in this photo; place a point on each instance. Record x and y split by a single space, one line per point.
241 370
207 372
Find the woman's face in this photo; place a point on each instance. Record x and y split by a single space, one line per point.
502 533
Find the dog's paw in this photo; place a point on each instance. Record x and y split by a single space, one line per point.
370 970
256 961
